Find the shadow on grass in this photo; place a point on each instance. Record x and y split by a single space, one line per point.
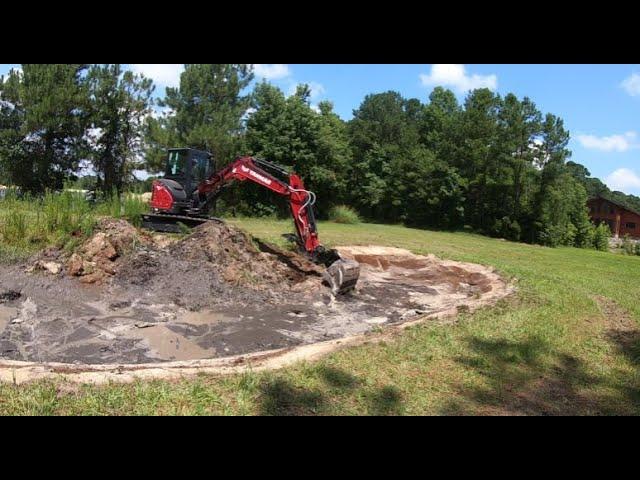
279 396
627 343
528 378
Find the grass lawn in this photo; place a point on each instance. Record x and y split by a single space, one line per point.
567 343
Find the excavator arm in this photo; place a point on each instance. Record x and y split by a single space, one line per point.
300 199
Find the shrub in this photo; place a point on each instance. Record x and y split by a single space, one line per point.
601 237
553 236
344 214
637 248
627 245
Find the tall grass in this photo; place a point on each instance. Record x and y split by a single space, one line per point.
129 206
28 223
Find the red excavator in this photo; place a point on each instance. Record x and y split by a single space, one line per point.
190 188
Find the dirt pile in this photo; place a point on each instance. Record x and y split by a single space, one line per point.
216 264
216 261
241 259
96 259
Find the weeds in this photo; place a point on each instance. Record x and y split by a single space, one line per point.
63 219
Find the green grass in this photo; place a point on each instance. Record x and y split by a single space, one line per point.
62 219
567 343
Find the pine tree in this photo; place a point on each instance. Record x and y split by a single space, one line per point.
205 112
120 103
50 104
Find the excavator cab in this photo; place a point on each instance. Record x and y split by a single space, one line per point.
189 167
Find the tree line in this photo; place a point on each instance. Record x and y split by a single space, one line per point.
494 164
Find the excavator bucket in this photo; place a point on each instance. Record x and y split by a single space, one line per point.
342 276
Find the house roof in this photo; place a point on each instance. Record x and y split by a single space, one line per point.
615 202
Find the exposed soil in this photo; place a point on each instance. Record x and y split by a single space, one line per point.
129 297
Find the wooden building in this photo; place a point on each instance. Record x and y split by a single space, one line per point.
621 220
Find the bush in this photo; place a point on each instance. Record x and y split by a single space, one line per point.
553 235
627 245
637 248
344 214
601 236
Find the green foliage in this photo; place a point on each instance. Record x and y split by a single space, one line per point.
313 144
628 246
636 249
44 115
120 101
129 206
28 223
206 112
344 214
601 237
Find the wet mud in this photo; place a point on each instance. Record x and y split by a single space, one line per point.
217 294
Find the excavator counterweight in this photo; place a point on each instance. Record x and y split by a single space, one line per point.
190 187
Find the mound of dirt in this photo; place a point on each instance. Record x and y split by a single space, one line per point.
217 263
240 259
96 259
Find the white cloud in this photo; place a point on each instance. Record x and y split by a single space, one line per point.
271 71
631 84
163 74
617 143
624 180
317 89
455 76
248 112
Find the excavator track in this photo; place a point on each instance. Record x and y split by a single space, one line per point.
159 222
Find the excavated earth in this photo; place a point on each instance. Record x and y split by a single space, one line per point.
129 297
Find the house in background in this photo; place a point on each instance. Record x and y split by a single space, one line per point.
621 219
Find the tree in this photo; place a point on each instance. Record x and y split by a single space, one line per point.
11 120
481 150
205 112
384 135
120 103
289 132
551 158
520 126
46 109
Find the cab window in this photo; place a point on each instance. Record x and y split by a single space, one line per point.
200 168
176 164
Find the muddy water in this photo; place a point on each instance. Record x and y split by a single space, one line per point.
165 344
6 315
59 319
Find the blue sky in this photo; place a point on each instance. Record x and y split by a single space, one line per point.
600 104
